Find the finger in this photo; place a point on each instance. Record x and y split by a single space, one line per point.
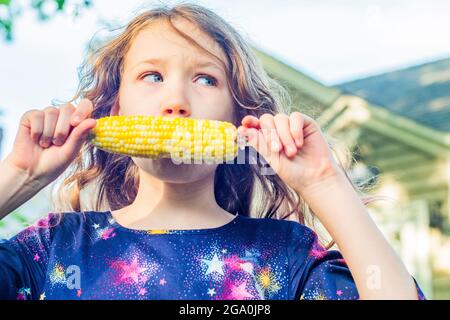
257 140
83 111
284 132
296 122
251 122
33 123
50 118
269 131
77 136
63 125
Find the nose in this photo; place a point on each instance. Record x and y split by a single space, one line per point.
176 110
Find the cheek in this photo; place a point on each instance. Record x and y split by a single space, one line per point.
137 100
218 106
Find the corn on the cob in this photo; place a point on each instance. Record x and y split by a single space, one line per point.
182 139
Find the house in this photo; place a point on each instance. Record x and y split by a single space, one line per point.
397 126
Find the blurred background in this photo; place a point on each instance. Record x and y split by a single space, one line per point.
375 74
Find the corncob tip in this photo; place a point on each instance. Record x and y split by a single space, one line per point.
178 138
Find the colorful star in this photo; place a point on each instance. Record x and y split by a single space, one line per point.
162 281
267 280
247 267
251 255
79 293
36 257
58 274
142 292
224 251
240 292
211 292
339 292
42 296
318 253
108 233
96 226
214 265
132 271
234 262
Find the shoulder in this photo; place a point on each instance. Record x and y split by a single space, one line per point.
56 223
277 224
290 230
74 219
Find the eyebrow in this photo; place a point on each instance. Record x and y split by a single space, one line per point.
156 61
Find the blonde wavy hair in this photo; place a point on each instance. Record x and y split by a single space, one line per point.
98 180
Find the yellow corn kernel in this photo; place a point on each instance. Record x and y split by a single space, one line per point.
183 139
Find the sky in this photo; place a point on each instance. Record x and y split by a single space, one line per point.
331 41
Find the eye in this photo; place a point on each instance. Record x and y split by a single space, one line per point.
152 77
209 81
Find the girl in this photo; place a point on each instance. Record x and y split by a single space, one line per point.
189 231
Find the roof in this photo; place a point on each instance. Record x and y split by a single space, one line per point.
297 79
420 93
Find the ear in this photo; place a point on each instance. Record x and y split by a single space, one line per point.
115 108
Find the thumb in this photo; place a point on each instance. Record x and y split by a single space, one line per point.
78 136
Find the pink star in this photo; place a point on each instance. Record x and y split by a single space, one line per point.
162 281
339 292
318 253
240 292
132 271
108 233
142 292
79 293
234 262
36 257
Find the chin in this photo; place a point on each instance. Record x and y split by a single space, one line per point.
167 170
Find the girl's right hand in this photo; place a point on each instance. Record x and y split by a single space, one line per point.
49 140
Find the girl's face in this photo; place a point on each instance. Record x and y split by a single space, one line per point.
164 74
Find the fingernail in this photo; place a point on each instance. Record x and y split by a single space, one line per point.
56 142
292 149
298 143
44 143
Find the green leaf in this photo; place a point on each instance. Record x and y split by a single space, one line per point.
5 2
60 4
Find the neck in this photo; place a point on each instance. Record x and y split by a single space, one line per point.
164 205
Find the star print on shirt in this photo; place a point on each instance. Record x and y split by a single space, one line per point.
240 292
132 271
142 291
211 292
214 265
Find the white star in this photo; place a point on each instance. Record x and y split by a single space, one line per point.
214 265
96 226
224 251
247 267
211 292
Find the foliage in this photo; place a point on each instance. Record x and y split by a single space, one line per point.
10 10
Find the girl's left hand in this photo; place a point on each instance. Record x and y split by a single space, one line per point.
294 146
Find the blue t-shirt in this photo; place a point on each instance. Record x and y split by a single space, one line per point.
89 255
